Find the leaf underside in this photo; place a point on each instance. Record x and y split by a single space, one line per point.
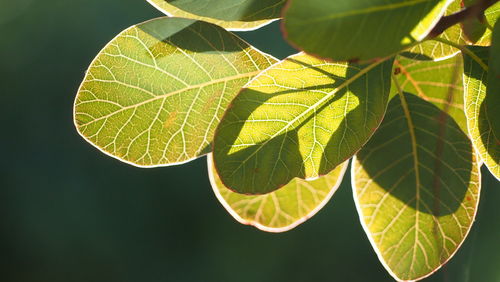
154 95
300 118
434 50
325 28
481 107
232 10
173 11
439 83
416 186
282 209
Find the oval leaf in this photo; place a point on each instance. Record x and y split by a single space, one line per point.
154 95
325 28
416 187
280 210
300 118
481 106
173 11
230 10
439 83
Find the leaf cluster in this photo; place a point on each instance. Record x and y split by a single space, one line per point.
406 89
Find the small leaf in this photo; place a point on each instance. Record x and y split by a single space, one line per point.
300 118
231 10
416 187
154 95
359 29
173 11
481 105
435 50
283 209
439 83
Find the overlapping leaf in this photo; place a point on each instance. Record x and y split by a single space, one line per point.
300 118
416 186
232 10
173 11
283 209
439 83
154 95
481 107
481 35
359 29
436 50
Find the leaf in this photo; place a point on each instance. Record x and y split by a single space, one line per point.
154 95
481 106
491 15
416 187
231 10
283 209
300 118
435 50
359 29
173 11
439 83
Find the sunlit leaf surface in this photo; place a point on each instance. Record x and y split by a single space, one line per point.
300 118
154 95
282 209
173 11
416 187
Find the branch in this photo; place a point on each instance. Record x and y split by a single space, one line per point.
473 11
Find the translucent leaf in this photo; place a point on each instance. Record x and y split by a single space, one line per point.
359 29
154 95
481 106
231 10
300 118
416 187
173 11
282 209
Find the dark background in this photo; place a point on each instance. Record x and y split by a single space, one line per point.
70 213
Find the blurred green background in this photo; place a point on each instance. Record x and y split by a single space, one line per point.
69 213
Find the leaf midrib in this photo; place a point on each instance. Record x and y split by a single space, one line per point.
316 105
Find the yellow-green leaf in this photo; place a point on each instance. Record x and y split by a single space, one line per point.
173 11
154 95
416 187
282 209
301 118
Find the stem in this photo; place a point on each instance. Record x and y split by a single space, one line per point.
464 50
474 11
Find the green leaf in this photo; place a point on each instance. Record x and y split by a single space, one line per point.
416 187
481 105
491 15
300 118
359 29
173 11
283 209
232 10
435 50
154 95
439 83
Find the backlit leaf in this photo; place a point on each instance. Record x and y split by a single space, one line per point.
416 187
482 105
154 95
232 10
435 50
300 118
282 209
439 83
491 15
173 11
359 29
